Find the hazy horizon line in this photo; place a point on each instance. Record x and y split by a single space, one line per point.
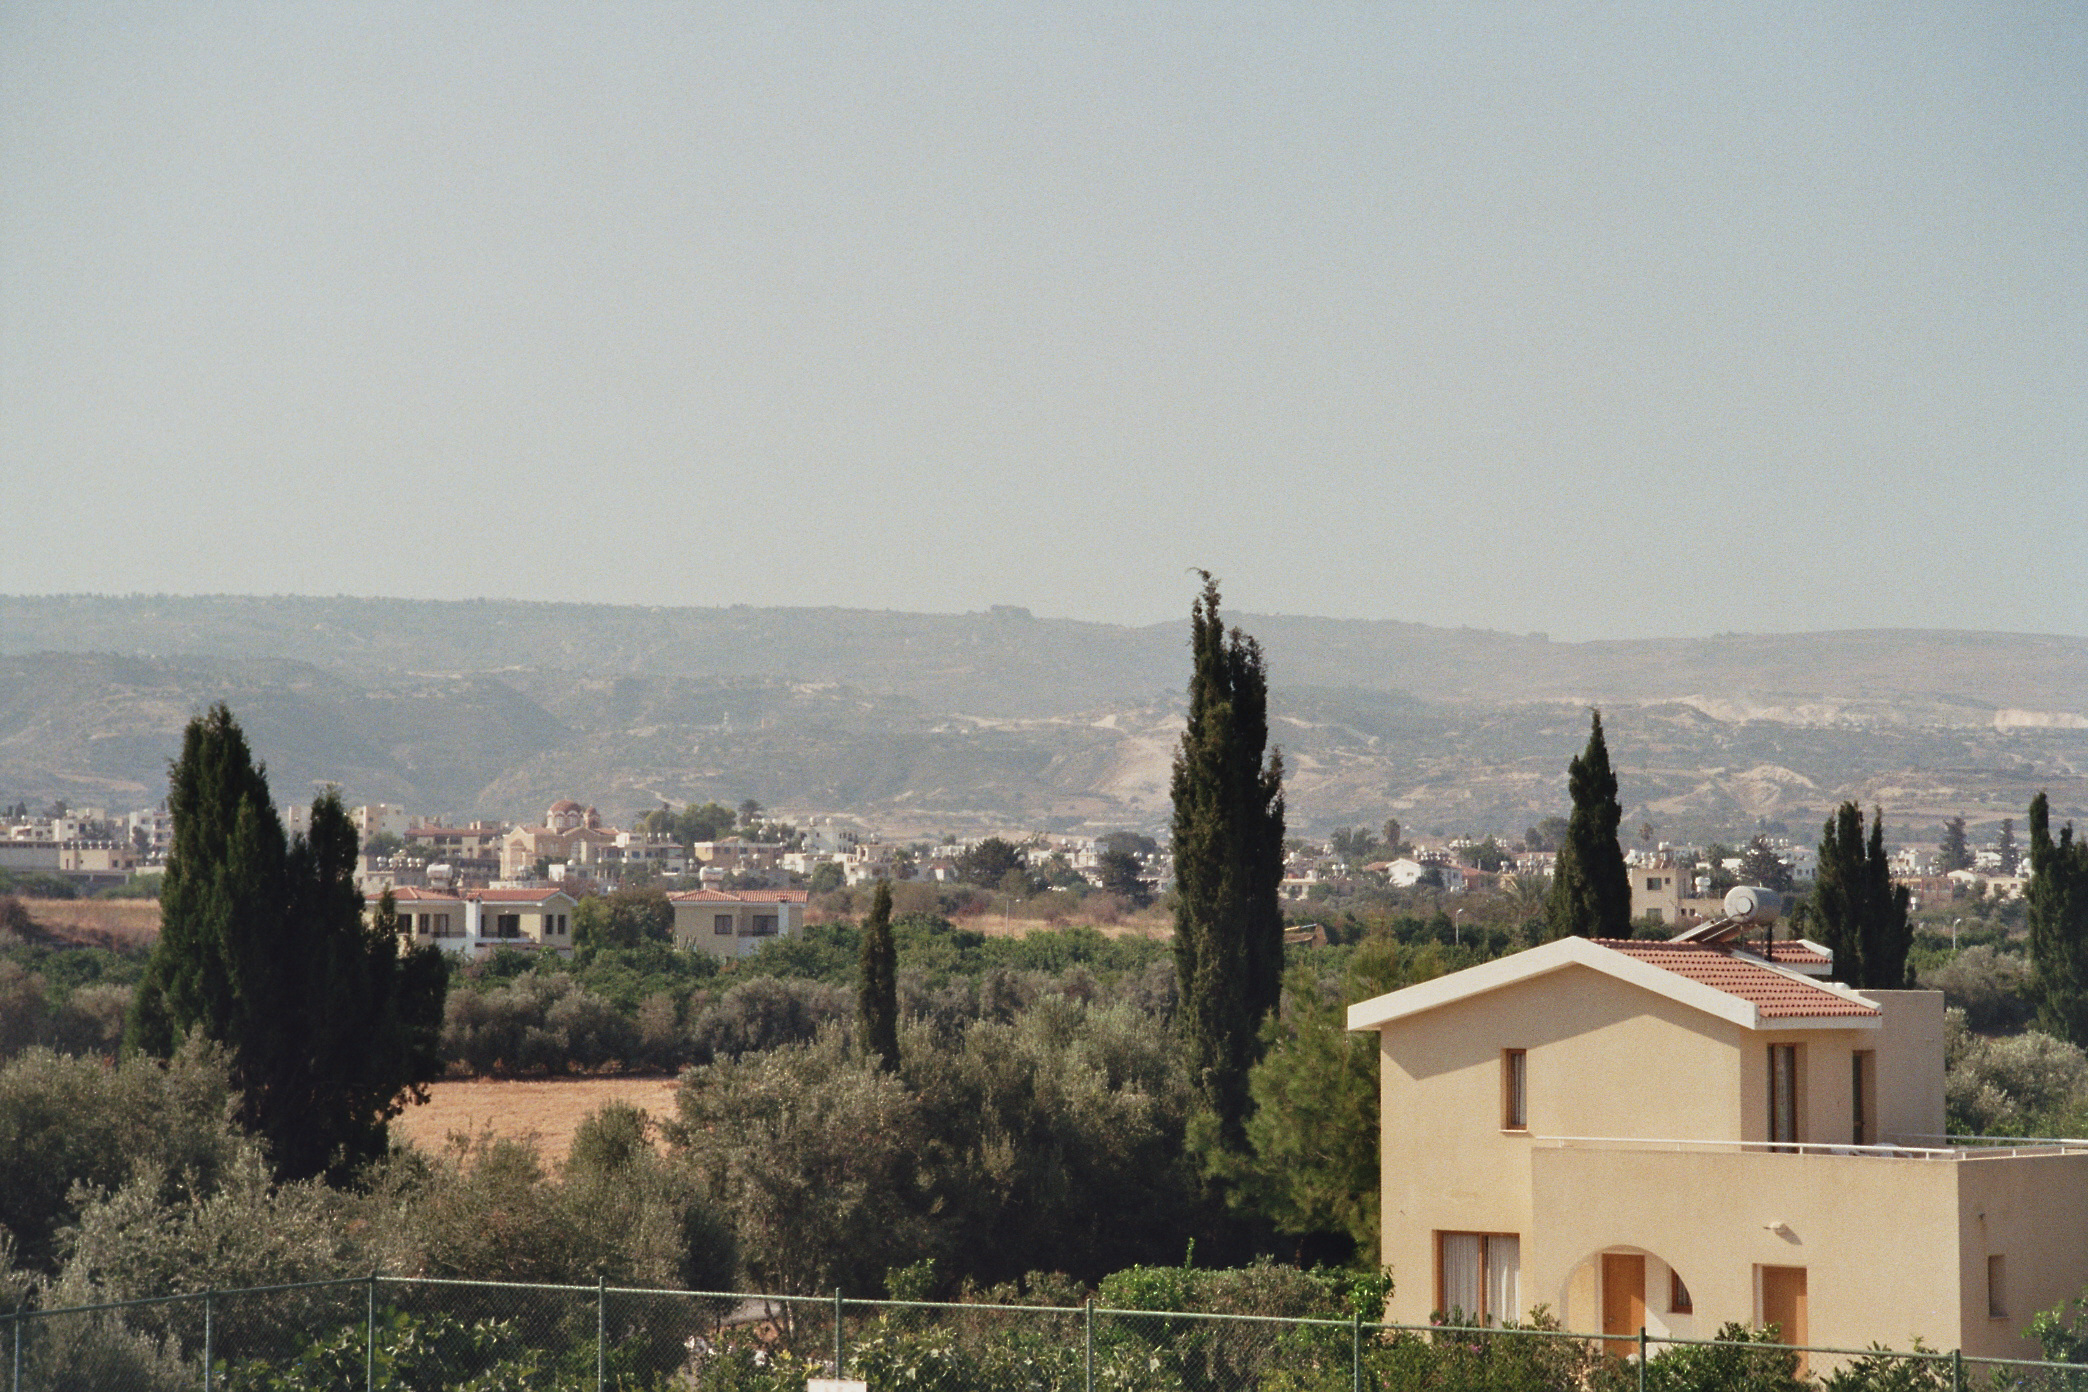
1536 635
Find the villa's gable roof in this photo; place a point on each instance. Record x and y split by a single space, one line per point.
1776 993
411 894
739 896
517 896
1733 986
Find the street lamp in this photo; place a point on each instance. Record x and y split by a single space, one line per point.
1457 928
1953 933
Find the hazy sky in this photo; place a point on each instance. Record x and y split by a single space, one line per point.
1598 320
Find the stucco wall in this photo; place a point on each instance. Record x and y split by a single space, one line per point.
1910 1064
1878 1237
1605 1059
2032 1210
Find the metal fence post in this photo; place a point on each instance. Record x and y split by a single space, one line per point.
209 1333
1957 1370
839 1351
370 1339
1356 1349
1642 1359
601 1332
1089 1339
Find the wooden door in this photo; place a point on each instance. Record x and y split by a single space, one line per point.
1783 1305
1623 1301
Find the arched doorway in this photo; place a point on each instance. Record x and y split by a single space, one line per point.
1618 1290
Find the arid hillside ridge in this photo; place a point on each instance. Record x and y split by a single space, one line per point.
917 722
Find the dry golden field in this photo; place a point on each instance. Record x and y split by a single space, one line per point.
113 922
549 1109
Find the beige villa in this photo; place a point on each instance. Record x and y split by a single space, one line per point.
735 923
1677 1134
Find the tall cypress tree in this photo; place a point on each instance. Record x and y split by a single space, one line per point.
1591 892
2056 905
1228 858
1954 851
877 983
1862 914
263 948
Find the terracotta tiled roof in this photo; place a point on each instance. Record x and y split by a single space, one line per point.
1796 953
1775 995
408 894
740 896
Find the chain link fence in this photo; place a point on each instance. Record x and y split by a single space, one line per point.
479 1336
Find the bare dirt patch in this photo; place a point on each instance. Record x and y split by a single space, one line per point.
551 1108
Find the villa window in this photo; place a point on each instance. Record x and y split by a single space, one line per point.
507 926
1997 1287
1862 1086
721 924
1479 1276
1783 1093
1515 1107
764 924
1679 1302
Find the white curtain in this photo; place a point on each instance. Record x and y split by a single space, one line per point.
1503 1279
1461 1274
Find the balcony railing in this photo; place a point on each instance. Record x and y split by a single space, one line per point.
1964 1147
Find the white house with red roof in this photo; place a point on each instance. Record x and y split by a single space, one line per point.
1671 1135
735 922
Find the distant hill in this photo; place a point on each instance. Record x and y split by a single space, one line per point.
1000 719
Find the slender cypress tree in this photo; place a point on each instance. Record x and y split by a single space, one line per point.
1862 914
877 984
263 948
1228 856
2056 904
1591 892
1954 851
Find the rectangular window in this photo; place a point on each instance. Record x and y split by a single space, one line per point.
442 928
1679 1302
1479 1276
721 924
1862 1131
1515 1072
1783 1092
507 926
1653 884
1997 1288
764 924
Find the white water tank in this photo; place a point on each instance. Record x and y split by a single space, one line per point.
1753 904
